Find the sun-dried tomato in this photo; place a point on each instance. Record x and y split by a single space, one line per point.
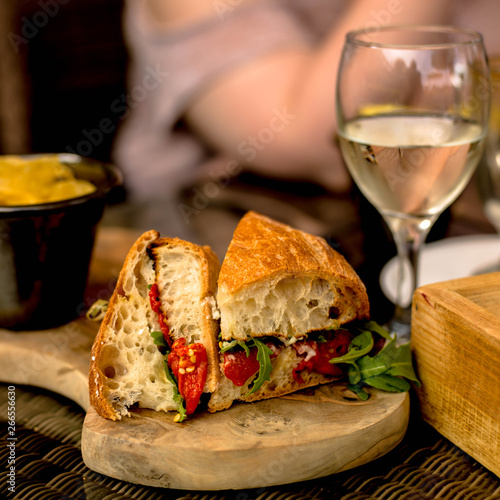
154 300
189 366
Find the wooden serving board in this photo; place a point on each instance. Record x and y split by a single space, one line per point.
271 442
455 340
284 440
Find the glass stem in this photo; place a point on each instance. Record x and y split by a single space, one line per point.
409 235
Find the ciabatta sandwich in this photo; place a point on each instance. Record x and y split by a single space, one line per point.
284 297
157 344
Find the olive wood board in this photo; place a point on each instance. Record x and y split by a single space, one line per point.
302 436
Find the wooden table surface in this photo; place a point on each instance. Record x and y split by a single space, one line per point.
48 426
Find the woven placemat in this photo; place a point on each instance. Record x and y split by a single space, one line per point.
45 445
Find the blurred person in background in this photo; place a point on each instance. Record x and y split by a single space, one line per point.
223 86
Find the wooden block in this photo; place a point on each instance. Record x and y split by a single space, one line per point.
455 340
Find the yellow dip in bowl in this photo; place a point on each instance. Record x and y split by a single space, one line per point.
38 179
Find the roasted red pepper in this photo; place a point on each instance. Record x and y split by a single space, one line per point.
189 366
238 367
154 299
318 354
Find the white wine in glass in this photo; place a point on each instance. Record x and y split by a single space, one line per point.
412 113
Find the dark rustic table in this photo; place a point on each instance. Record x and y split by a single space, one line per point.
49 465
424 465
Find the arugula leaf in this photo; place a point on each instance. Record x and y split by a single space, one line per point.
393 360
177 396
360 345
391 369
401 364
388 383
264 359
371 367
159 339
234 343
359 391
245 347
353 374
373 326
228 345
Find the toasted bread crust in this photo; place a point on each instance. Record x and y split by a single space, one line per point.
96 378
310 379
263 249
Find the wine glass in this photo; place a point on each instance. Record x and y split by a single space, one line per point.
488 174
412 114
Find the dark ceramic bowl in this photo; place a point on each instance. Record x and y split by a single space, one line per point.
45 251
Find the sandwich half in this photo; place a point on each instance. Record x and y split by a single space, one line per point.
285 299
157 344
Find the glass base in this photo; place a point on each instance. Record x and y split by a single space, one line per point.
400 324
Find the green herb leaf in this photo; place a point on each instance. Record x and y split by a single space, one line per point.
177 396
359 391
360 346
402 365
245 347
229 345
391 369
393 360
373 326
388 383
372 366
159 339
264 359
354 374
